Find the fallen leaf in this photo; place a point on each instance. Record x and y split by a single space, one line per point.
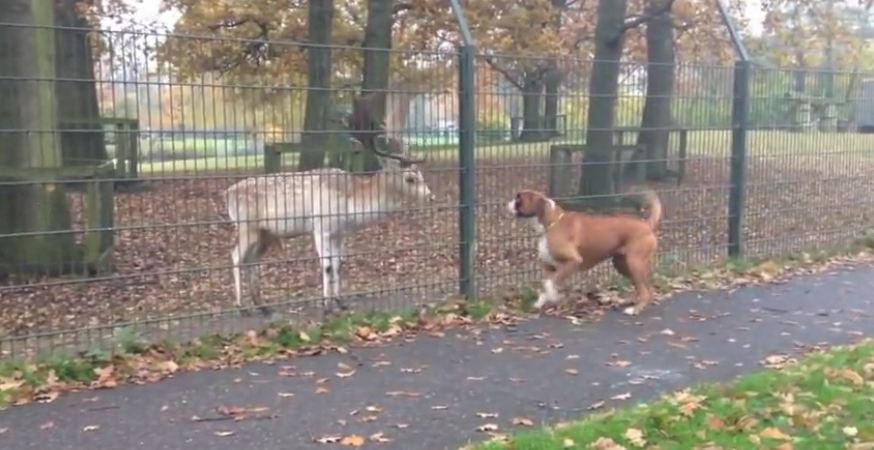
624 396
345 374
224 433
89 428
168 366
774 433
476 378
3 430
497 350
10 385
352 441
328 439
401 426
373 409
603 443
487 427
667 332
635 436
715 423
105 377
403 394
439 407
304 336
285 394
379 437
411 370
381 364
366 333
619 363
523 421
776 361
47 426
596 405
46 397
572 371
321 390
848 375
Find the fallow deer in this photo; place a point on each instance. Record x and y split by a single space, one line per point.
326 203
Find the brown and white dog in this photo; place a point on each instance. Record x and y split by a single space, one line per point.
573 241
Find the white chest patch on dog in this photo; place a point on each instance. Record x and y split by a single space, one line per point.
543 251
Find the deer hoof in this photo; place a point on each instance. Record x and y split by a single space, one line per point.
341 304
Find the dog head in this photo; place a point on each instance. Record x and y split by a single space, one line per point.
530 204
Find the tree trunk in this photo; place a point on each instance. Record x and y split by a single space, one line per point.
597 174
552 84
654 135
78 112
377 62
28 109
318 99
532 97
553 77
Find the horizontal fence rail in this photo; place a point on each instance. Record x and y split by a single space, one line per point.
163 184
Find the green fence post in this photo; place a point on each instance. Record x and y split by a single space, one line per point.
739 124
467 172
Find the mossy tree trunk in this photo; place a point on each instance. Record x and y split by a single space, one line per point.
657 118
35 214
596 181
78 113
318 99
377 63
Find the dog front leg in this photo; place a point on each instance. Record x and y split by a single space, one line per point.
550 294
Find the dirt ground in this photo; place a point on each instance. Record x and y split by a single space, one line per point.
172 251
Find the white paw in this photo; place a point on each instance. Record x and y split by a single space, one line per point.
630 311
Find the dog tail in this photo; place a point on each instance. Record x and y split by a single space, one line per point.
654 205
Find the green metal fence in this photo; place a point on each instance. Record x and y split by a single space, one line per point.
113 215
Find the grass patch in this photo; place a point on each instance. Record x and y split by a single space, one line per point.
715 143
824 402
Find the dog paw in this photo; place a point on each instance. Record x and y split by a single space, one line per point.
543 301
631 311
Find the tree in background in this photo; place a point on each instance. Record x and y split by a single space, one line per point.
29 107
317 115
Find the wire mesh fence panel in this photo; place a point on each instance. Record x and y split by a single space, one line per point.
168 186
136 173
810 171
541 107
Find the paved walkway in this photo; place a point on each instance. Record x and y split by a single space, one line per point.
426 394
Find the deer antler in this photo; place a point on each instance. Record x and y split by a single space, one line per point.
365 129
397 157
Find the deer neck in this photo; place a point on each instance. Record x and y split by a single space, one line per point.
376 194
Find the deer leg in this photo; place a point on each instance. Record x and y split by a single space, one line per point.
257 251
336 255
325 250
241 255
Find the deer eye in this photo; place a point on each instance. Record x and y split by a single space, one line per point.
410 180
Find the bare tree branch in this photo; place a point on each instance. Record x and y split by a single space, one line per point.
398 7
638 20
505 72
